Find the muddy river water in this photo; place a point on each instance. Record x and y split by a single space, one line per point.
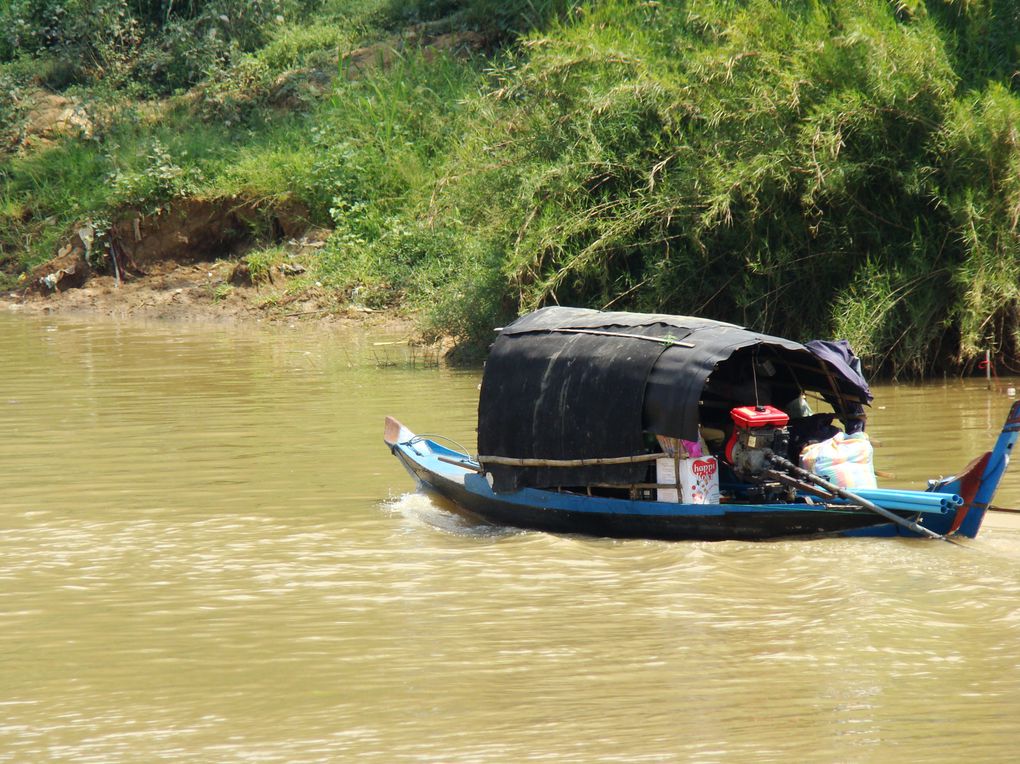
207 555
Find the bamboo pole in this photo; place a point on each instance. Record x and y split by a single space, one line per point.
463 463
512 461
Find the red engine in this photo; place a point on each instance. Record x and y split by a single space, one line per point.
758 432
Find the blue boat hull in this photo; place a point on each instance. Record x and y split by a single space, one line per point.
457 479
618 518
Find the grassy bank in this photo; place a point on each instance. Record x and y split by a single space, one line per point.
847 168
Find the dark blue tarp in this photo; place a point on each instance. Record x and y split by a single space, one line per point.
839 355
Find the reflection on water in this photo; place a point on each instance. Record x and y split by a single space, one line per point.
206 554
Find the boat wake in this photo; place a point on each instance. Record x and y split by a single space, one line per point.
441 515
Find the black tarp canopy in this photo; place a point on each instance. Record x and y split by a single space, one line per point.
571 383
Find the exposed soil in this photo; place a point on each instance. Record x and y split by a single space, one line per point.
199 292
48 116
189 293
186 263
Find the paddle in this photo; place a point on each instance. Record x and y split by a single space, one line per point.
834 489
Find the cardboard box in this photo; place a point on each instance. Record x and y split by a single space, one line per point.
699 480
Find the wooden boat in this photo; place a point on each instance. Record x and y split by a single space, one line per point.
576 408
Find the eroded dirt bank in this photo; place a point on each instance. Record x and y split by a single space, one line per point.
189 263
190 293
201 292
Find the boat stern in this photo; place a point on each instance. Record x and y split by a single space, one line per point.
980 479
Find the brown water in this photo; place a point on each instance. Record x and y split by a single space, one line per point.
207 555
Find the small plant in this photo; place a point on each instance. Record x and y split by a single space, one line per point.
261 263
222 292
294 44
232 92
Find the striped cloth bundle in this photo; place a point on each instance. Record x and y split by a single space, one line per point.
846 460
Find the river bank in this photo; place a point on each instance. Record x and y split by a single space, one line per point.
837 171
207 292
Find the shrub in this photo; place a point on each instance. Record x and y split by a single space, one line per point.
984 38
11 112
293 44
754 162
164 45
507 16
158 180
